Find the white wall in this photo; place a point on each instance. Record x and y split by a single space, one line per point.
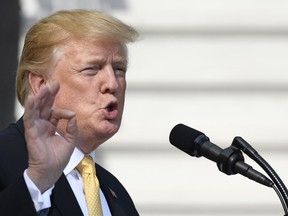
218 66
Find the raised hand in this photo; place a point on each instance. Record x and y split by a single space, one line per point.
48 152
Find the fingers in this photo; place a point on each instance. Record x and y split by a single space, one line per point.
71 130
58 114
40 104
38 108
39 115
45 99
71 126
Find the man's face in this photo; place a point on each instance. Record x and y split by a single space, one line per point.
92 84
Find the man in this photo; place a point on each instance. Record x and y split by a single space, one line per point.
71 82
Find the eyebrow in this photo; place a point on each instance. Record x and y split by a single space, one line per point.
116 59
120 59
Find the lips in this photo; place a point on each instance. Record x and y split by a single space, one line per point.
111 110
111 106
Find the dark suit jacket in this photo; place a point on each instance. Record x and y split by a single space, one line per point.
15 198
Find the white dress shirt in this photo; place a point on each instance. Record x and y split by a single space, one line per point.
42 201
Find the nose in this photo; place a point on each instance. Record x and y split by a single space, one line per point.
109 81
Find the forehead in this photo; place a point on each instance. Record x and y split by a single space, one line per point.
79 53
95 47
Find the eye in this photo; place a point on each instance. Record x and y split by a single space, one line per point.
93 70
119 70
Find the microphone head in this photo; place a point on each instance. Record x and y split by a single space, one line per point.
187 139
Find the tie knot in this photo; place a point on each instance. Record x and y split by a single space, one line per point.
86 166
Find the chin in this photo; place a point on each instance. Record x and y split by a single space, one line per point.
108 129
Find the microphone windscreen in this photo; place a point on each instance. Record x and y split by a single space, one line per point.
183 137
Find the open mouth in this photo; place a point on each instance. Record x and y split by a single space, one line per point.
111 107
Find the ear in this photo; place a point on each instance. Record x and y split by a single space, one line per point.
36 81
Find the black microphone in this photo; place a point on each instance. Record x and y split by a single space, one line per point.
229 160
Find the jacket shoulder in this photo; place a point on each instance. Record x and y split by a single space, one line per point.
13 153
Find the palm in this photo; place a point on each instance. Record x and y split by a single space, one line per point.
48 152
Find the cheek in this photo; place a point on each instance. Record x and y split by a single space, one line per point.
122 93
62 102
66 98
122 84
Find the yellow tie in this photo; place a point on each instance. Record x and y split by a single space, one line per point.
91 186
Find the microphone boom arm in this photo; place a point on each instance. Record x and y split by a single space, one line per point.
240 143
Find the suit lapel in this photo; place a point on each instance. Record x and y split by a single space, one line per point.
63 199
65 203
112 199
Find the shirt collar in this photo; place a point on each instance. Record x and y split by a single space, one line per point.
75 159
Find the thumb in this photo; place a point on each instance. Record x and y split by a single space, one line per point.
71 130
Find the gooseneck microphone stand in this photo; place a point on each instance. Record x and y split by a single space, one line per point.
229 160
277 185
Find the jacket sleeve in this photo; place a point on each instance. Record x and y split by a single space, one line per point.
15 200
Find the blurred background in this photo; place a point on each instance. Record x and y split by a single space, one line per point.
219 66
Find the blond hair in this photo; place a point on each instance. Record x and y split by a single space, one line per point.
51 32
